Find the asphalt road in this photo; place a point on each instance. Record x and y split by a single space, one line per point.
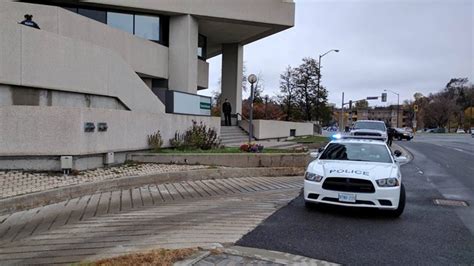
427 234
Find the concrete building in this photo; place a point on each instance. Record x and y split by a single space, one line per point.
102 75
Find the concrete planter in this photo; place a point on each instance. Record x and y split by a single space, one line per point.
227 159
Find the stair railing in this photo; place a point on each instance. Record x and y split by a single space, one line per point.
248 124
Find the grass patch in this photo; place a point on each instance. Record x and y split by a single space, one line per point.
155 257
311 139
219 150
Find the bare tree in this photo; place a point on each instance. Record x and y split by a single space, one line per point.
287 90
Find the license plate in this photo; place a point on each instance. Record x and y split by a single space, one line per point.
346 197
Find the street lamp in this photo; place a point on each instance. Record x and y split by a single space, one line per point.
398 104
252 79
319 64
319 69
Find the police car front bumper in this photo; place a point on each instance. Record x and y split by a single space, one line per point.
382 198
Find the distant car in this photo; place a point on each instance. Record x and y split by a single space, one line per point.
460 131
356 173
400 134
472 132
370 128
436 130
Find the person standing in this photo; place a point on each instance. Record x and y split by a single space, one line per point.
29 22
227 109
390 133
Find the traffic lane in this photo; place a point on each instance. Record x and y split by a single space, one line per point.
459 142
443 166
448 170
424 234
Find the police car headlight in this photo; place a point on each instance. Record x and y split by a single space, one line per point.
387 182
313 177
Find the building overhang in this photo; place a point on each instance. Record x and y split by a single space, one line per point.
224 21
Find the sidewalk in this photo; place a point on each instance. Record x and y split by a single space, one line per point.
173 215
15 183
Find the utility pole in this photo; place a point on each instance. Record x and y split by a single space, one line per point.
341 124
398 105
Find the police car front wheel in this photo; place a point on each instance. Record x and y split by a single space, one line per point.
401 204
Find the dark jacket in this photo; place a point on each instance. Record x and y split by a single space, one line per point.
226 108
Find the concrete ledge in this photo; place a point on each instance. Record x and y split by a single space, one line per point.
38 199
228 159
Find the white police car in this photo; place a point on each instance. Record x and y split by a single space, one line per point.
358 173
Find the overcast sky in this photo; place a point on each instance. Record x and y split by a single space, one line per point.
406 46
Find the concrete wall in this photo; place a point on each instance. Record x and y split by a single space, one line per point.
44 130
203 74
142 55
242 160
14 95
270 129
36 58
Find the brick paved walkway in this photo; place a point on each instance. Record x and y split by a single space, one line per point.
15 183
173 215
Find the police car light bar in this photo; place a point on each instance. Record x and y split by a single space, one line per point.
363 137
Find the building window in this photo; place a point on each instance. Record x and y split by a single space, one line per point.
120 21
202 47
154 28
147 27
98 15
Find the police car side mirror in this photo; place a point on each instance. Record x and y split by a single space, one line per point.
314 154
397 153
401 159
320 150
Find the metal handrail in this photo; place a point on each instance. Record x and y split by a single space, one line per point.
245 119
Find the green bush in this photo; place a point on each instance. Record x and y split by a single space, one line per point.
199 136
155 141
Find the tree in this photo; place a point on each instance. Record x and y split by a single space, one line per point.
439 110
306 76
287 90
362 104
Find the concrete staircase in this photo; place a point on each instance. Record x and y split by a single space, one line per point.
234 136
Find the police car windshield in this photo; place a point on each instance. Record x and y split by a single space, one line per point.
356 152
370 125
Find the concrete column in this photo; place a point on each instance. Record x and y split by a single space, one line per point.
232 64
183 43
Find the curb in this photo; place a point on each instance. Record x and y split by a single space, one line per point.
37 199
259 254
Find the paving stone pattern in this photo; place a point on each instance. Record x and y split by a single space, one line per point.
15 183
172 215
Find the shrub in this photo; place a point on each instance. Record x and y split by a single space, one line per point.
177 141
199 136
155 141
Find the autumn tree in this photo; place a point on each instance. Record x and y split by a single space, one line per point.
306 76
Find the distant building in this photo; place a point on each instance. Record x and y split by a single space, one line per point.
386 114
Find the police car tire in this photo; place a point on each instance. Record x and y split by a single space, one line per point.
401 204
